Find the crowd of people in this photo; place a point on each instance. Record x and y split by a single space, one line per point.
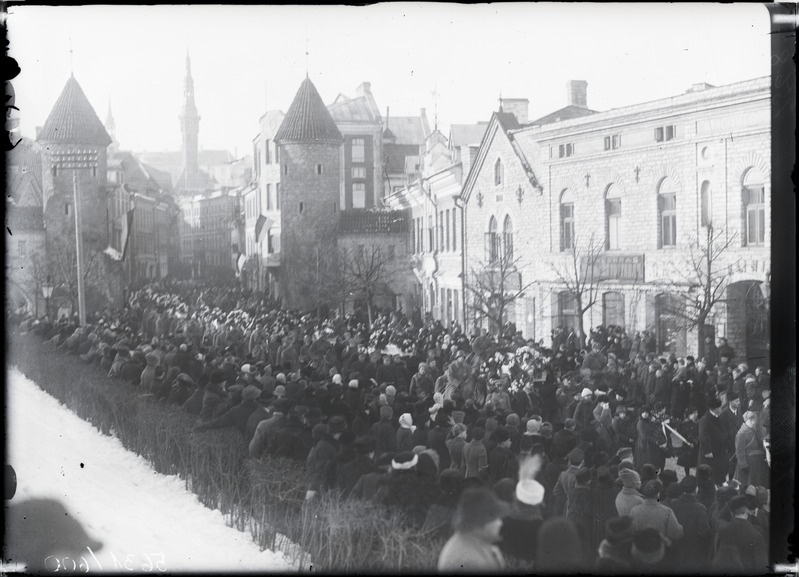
594 455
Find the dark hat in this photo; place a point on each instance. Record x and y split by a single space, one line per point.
251 392
667 476
478 506
404 461
365 444
738 502
731 396
501 435
649 546
337 424
384 459
576 456
282 405
704 471
688 484
713 403
569 423
217 376
651 489
600 458
505 489
619 530
313 416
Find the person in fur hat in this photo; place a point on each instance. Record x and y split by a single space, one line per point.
614 554
520 527
405 488
477 523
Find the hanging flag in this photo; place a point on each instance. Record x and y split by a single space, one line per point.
127 228
240 263
261 224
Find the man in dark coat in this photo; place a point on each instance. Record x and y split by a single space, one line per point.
566 439
501 461
236 416
260 435
731 418
713 449
363 463
320 465
215 398
744 537
692 551
406 489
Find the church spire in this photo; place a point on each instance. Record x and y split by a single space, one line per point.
110 127
190 122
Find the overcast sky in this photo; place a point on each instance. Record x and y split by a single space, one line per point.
247 59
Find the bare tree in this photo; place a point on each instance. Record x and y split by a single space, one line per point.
702 277
321 275
367 269
580 276
495 284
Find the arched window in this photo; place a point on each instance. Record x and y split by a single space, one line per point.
566 220
492 242
507 237
499 172
754 208
613 218
705 208
667 213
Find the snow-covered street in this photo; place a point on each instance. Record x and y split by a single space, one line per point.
145 520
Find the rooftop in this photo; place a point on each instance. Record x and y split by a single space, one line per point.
308 119
73 120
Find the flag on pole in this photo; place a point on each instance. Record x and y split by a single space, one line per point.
127 227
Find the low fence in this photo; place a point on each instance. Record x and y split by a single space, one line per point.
262 496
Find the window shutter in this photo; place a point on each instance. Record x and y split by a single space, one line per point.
607 143
659 134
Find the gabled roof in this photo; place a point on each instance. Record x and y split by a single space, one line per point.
308 119
466 134
395 155
501 123
194 182
565 113
73 120
24 174
408 129
352 110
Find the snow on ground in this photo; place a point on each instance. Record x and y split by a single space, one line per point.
116 496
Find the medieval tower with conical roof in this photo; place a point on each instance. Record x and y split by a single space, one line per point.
310 169
74 149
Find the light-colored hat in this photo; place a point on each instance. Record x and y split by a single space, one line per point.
246 368
586 392
281 377
353 384
530 492
406 420
337 379
391 390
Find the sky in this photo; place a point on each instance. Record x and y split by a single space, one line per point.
249 59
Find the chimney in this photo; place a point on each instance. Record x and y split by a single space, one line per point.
364 88
577 93
518 107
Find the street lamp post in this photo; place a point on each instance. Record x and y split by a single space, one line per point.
47 292
85 159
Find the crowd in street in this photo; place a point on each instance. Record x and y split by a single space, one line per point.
595 454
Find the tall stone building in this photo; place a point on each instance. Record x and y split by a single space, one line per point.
74 128
309 151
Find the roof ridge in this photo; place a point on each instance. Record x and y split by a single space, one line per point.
73 119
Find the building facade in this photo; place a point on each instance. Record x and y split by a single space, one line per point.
620 207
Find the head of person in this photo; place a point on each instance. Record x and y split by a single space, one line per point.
649 546
480 512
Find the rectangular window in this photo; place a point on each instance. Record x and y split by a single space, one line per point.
358 195
447 232
431 231
664 133
755 216
358 149
302 206
277 153
268 152
454 231
614 220
659 134
66 209
671 132
440 230
277 196
319 169
668 220
567 226
268 197
705 204
358 172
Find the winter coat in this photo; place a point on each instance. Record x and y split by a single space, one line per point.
502 463
626 500
563 489
408 491
647 444
349 473
258 415
750 455
563 442
259 438
131 372
455 449
712 439
650 513
214 403
235 417
367 486
746 538
613 559
520 531
692 551
468 552
475 459
321 463
437 440
687 456
603 507
403 442
385 435
194 404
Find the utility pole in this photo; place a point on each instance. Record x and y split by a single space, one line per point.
81 160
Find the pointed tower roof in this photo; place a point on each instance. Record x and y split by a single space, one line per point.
308 119
73 120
